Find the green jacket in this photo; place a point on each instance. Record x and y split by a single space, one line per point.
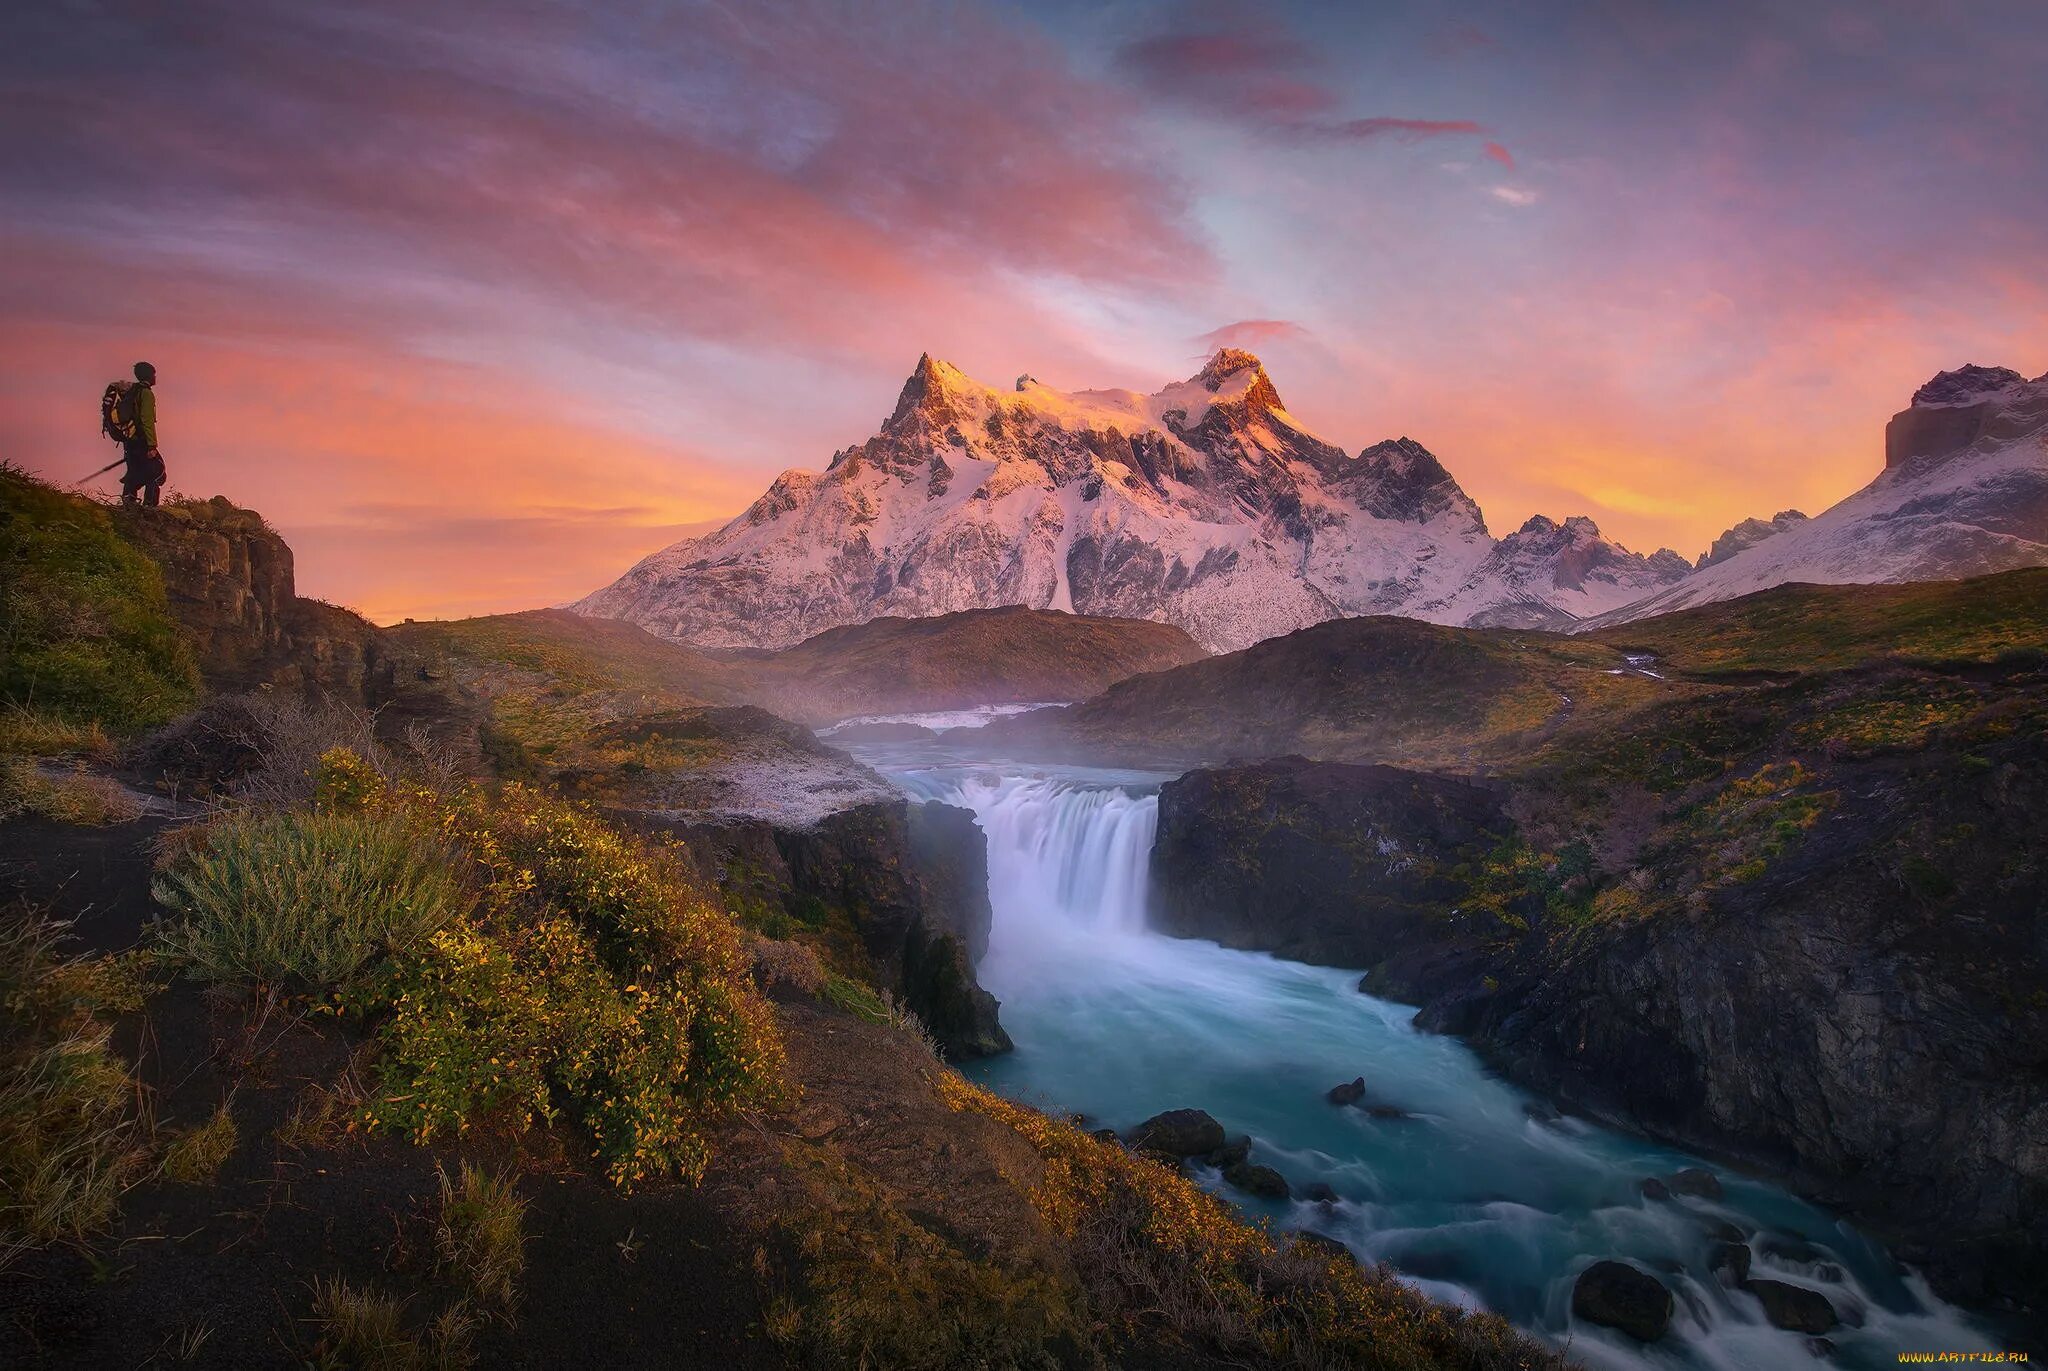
143 400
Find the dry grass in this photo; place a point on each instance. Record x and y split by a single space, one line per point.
196 1156
479 1236
73 1127
74 797
365 1330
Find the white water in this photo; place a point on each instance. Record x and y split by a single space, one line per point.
1476 1195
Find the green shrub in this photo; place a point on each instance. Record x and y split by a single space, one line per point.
71 1137
478 1235
305 901
86 633
594 982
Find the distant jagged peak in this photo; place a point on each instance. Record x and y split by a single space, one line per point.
1404 456
1542 529
1399 478
1967 384
1748 534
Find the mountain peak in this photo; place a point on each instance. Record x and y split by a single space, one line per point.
931 389
1965 384
1240 384
1227 363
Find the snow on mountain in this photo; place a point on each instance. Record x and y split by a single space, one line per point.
1964 492
1551 575
1206 505
1748 534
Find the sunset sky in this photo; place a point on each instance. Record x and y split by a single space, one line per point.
481 302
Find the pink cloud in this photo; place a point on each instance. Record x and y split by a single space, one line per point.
1500 155
1252 334
1266 78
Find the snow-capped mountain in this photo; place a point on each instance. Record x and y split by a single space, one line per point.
1964 492
1551 575
1206 505
1748 534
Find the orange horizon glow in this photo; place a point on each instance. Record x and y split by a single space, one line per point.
480 308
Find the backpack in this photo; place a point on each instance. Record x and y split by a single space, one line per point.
117 415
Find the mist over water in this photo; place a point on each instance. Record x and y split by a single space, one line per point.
1475 1192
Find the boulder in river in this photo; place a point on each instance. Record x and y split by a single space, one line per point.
1654 1189
1178 1133
1616 1295
1262 1181
1697 1181
1730 1261
1351 1092
1794 1307
1319 1192
1230 1154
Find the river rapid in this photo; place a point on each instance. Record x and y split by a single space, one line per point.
1473 1190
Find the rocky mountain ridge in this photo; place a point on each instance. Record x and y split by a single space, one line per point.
1964 492
1206 505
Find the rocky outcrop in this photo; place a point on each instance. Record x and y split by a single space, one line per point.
907 882
230 583
1340 865
1949 413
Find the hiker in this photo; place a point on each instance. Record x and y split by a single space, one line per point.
145 469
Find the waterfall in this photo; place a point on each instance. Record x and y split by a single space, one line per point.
1064 860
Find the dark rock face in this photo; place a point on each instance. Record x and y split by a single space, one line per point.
1178 1133
1949 413
1794 1307
230 583
911 880
1617 1295
1334 864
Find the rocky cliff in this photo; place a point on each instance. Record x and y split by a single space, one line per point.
1803 925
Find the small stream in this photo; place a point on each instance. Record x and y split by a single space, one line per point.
1472 1189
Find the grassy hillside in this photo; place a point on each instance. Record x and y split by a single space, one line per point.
1397 690
1800 628
1372 689
954 661
552 677
86 635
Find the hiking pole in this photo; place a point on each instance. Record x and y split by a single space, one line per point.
101 472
